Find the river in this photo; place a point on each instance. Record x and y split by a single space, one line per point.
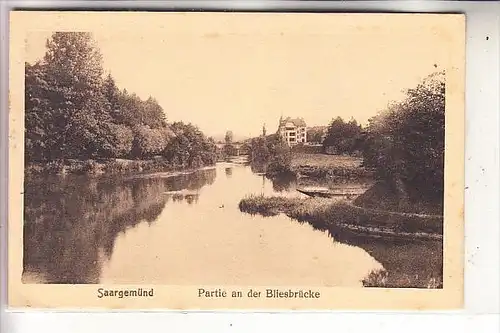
181 229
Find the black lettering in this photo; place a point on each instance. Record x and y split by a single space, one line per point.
252 293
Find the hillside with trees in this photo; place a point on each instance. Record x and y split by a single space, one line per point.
74 111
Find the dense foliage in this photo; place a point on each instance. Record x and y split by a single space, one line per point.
343 137
316 134
74 112
229 149
405 144
272 151
190 147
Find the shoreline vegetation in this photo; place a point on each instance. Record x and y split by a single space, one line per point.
329 167
384 235
334 215
77 121
402 152
100 167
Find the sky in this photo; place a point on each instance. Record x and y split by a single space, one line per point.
239 74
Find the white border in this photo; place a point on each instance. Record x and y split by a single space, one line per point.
481 196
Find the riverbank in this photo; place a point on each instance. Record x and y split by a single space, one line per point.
390 237
323 167
331 215
102 166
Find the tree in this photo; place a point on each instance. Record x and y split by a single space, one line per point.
342 137
135 112
120 141
88 134
229 149
190 147
209 151
229 137
130 112
75 62
113 97
153 115
73 71
280 155
40 140
405 144
148 141
73 112
272 152
259 151
315 134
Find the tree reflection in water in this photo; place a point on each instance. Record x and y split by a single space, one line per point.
284 182
71 223
409 264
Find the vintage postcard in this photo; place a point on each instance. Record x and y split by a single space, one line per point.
244 161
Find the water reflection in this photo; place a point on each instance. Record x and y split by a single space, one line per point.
409 264
185 229
284 182
258 169
180 197
71 223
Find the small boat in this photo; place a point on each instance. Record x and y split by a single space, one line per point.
182 193
325 193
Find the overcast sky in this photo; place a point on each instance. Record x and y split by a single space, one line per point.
237 74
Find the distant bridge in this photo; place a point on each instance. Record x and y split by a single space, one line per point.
239 147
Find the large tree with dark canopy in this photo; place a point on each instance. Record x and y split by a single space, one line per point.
405 144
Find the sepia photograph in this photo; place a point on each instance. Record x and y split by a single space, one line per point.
259 150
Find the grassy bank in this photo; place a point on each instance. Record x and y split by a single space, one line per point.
329 167
382 196
408 263
100 166
328 214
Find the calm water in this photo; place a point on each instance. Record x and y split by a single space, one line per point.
182 229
